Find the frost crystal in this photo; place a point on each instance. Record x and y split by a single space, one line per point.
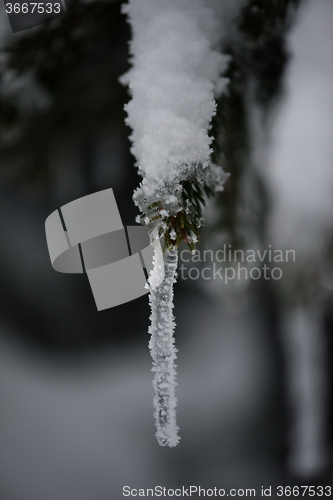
163 352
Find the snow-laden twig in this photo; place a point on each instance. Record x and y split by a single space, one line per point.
175 74
163 352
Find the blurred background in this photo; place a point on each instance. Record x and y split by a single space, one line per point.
255 369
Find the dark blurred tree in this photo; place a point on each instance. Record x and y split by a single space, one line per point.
258 59
76 60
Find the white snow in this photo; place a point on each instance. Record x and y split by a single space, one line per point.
174 76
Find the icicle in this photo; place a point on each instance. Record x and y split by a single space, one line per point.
304 346
163 352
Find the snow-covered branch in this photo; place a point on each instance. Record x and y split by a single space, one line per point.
175 75
176 72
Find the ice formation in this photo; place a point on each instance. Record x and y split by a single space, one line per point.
175 75
163 352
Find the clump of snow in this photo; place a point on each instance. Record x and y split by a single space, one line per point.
176 71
